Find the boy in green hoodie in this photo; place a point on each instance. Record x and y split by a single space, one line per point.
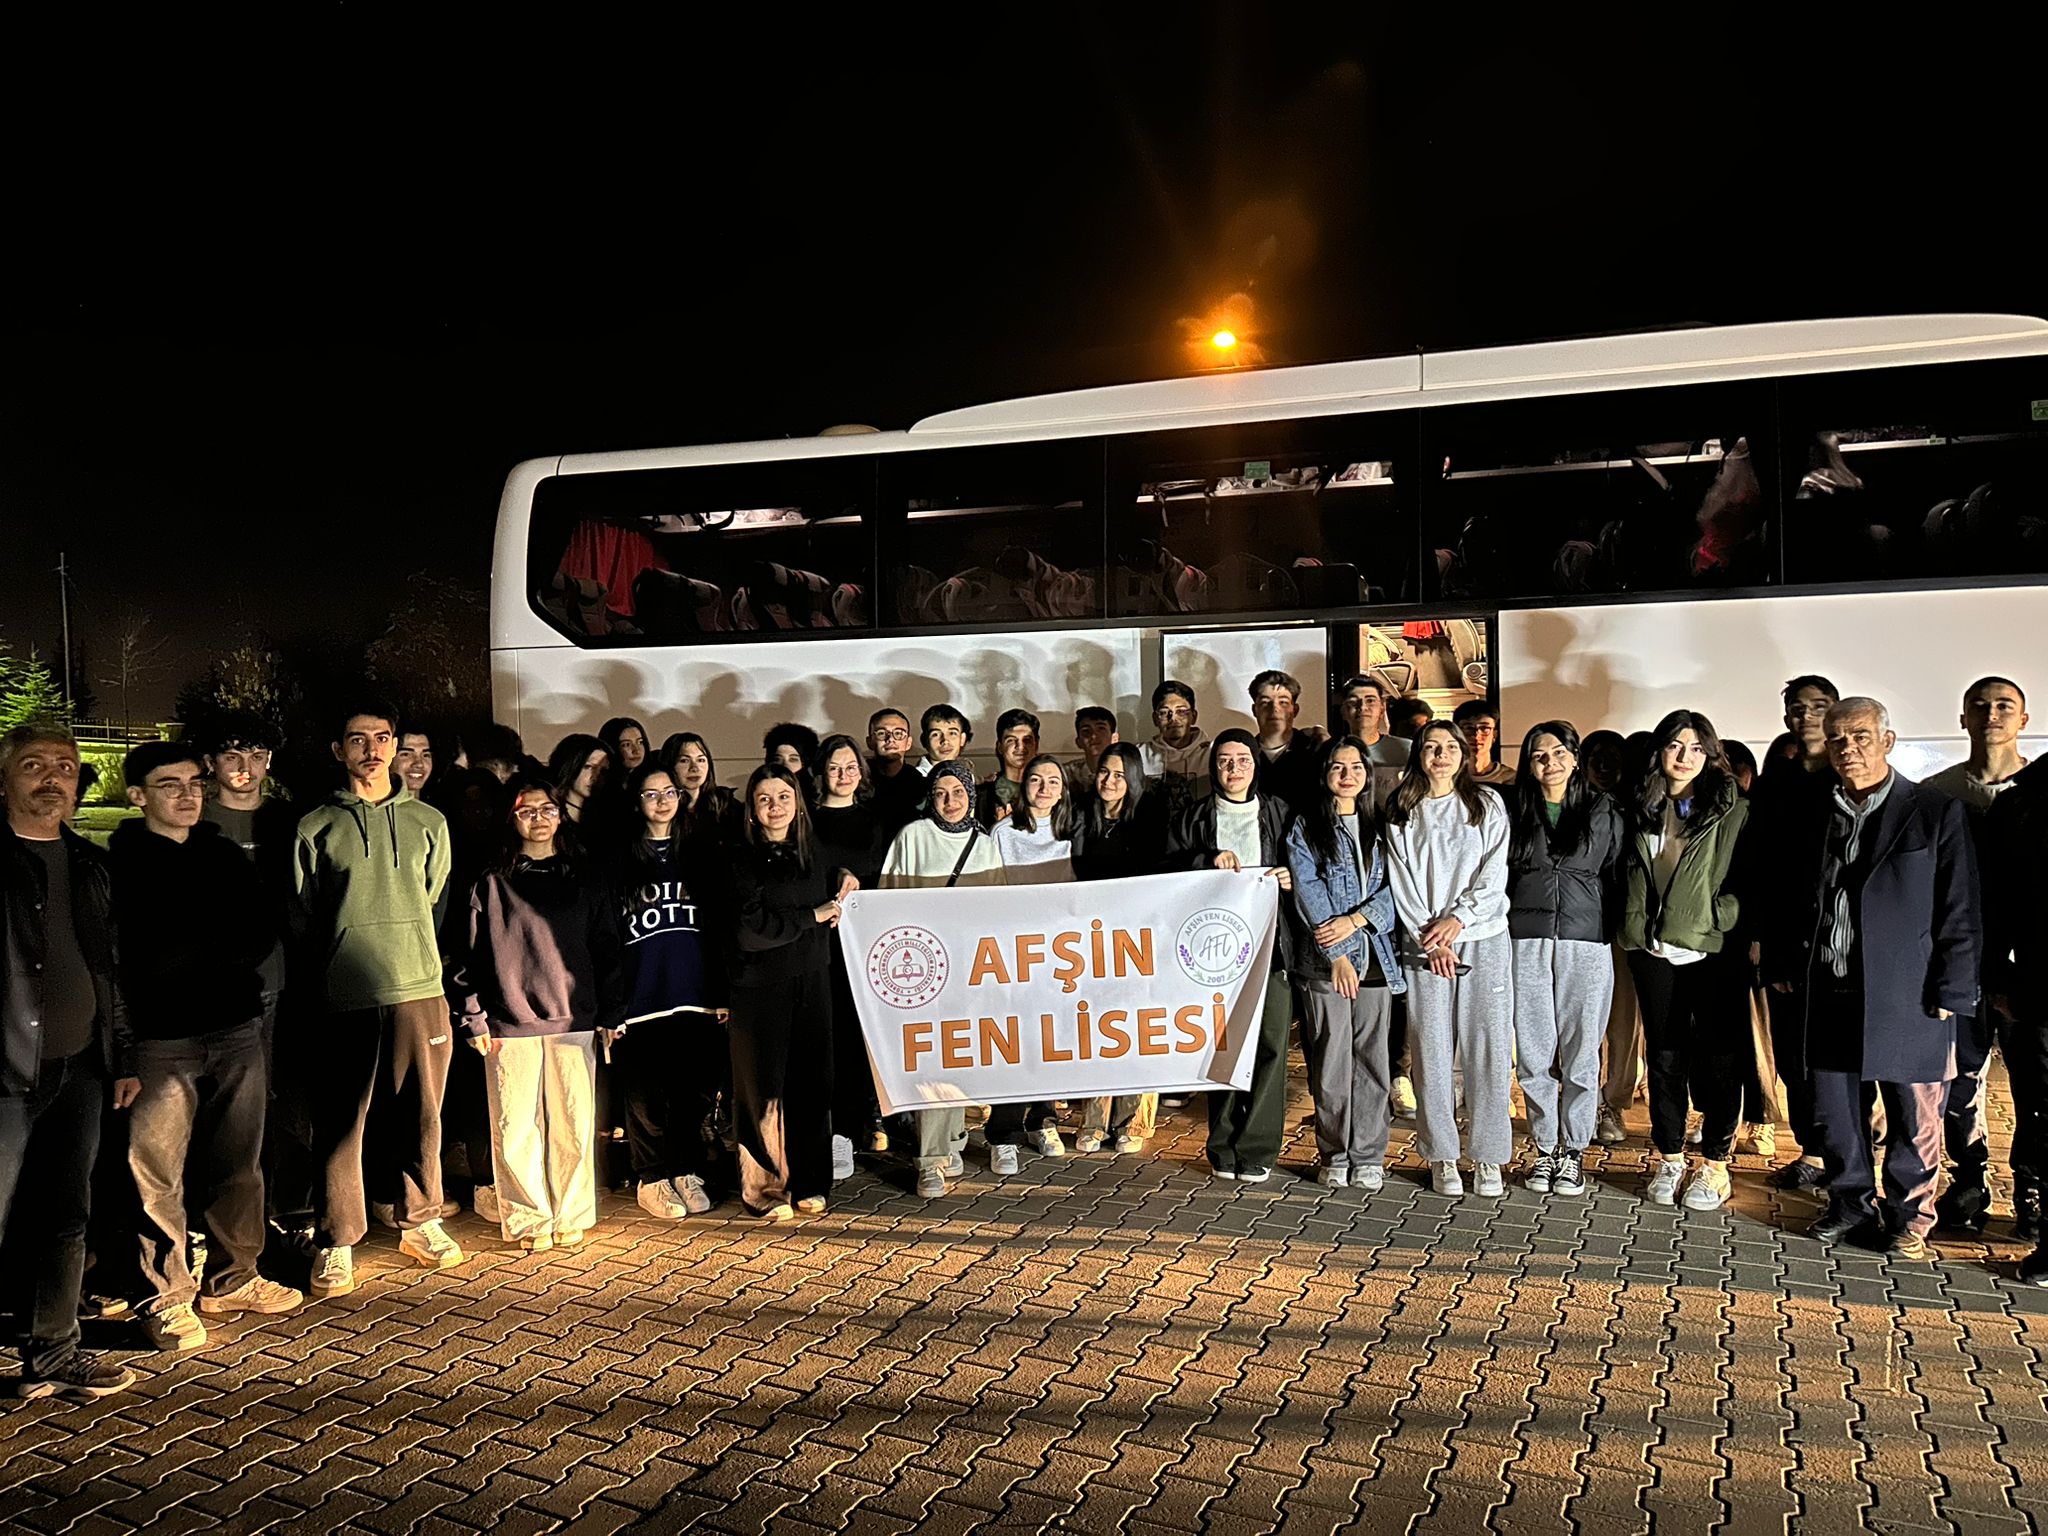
369 882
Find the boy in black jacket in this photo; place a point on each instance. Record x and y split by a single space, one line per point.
188 904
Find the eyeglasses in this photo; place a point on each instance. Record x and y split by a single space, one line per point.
539 813
899 734
177 789
657 796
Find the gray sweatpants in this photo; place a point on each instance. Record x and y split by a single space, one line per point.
1563 988
1466 1022
1345 1042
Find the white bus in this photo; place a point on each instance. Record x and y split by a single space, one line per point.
1595 529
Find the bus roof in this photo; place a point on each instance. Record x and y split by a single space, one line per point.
1705 354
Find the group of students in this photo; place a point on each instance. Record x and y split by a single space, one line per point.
626 943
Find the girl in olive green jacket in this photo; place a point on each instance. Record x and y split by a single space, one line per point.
1675 925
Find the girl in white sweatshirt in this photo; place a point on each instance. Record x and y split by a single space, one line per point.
1447 848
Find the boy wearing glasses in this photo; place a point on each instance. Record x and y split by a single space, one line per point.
369 885
899 788
194 987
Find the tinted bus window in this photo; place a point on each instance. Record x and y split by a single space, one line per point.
689 554
1263 518
1916 473
1643 491
992 535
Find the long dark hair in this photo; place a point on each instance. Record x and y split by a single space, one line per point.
1319 816
1414 786
507 851
1133 760
566 762
1061 818
865 790
610 732
1243 738
1714 778
799 829
1575 821
636 782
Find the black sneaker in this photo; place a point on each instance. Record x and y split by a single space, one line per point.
2026 1209
1835 1225
1965 1206
94 1308
1799 1174
2033 1268
78 1375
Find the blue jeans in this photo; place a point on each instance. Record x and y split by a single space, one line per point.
49 1137
202 1096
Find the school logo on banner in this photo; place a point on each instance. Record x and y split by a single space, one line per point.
907 967
997 995
1215 947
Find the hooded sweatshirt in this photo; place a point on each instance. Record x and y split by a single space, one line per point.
369 882
543 956
194 931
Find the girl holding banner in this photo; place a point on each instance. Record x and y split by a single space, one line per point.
944 847
788 900
1349 971
1035 840
1447 848
1118 834
1238 828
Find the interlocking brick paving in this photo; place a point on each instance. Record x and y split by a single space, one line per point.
1102 1344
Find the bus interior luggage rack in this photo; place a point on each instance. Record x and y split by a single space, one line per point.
1711 453
1960 440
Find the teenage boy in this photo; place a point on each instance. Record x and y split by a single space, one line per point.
1287 766
1409 715
945 733
1790 792
2016 984
370 881
194 939
413 764
1994 715
1363 704
1177 757
1016 745
1884 930
1480 722
63 1038
1095 731
899 788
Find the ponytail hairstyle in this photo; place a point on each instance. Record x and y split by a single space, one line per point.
1575 822
1714 777
1414 786
1319 817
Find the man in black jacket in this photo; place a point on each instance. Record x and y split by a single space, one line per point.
1883 936
2016 973
63 1037
190 906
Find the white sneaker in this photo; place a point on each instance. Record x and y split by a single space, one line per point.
1403 1098
690 1190
1128 1143
1763 1141
1443 1178
931 1182
1371 1178
1664 1181
429 1244
1002 1158
386 1215
1333 1178
1486 1180
484 1201
842 1158
1047 1143
257 1295
657 1197
1088 1141
334 1272
956 1166
1708 1190
1607 1127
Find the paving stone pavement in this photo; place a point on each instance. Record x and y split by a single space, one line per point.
1104 1344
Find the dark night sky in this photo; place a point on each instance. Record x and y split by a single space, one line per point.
281 330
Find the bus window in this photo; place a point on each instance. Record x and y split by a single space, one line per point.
989 535
1637 491
1910 473
1263 518
686 554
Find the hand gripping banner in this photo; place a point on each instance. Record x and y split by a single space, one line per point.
1009 994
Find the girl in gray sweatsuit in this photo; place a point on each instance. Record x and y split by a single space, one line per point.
1447 846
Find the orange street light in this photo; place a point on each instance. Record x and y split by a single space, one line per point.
1223 341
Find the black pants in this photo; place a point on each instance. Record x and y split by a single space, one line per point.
203 1096
669 1070
855 1109
290 1172
782 1089
1397 1036
1696 1040
1008 1123
1245 1129
49 1137
2024 1042
1963 1131
1788 1041
377 1115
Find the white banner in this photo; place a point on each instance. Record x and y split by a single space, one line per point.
1009 994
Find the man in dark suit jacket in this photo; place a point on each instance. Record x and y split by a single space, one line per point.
2015 845
1884 934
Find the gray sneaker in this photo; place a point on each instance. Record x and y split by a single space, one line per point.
78 1375
334 1273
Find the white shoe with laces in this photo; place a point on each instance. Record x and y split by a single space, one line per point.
334 1272
429 1244
1047 1143
1002 1159
1371 1178
484 1201
1486 1180
658 1198
690 1190
842 1158
1443 1178
1708 1189
1664 1181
